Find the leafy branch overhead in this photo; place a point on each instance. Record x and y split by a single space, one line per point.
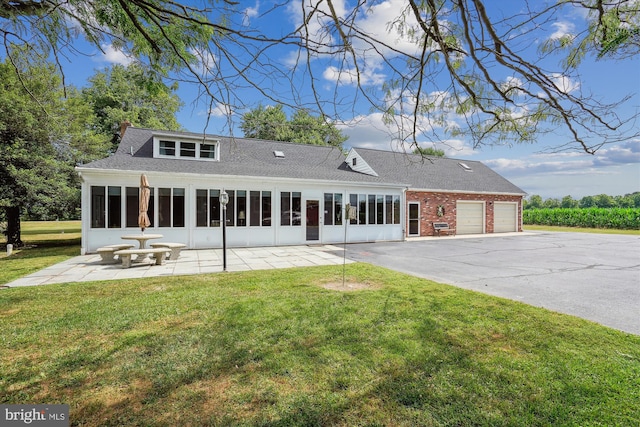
436 69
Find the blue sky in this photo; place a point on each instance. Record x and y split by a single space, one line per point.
537 168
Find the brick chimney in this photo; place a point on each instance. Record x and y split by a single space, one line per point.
123 127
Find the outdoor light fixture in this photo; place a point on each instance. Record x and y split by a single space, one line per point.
224 199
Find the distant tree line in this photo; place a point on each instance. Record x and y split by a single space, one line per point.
631 200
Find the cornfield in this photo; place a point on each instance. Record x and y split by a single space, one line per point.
618 218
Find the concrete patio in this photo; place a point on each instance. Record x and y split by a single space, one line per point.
88 267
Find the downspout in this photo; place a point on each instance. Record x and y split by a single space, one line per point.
403 215
83 215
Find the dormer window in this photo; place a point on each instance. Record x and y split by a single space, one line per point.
167 148
207 151
354 161
189 150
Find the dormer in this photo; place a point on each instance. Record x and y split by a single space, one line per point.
179 147
358 164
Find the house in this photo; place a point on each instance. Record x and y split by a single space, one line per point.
468 195
281 193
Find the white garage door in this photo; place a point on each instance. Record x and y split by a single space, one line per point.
504 217
470 217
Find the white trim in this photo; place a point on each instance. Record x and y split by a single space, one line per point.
360 165
493 193
231 178
157 139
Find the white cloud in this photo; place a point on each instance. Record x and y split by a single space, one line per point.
564 83
370 131
207 62
562 29
619 154
220 110
114 56
249 13
350 76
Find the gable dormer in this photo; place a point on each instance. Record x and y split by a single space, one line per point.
358 164
173 147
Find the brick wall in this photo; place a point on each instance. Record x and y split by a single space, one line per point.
429 202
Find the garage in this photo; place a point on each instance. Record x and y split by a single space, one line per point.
505 217
469 217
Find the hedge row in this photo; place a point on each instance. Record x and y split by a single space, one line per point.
618 218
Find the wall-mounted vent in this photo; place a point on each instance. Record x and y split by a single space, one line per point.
465 166
278 154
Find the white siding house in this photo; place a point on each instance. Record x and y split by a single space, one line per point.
280 193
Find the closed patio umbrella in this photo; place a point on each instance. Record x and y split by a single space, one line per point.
145 193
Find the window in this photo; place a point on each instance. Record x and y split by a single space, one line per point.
396 209
98 205
167 148
231 208
285 208
362 209
353 203
379 209
332 209
290 208
374 209
202 208
171 207
266 208
214 208
328 209
241 220
164 207
207 151
178 207
132 206
114 207
254 203
188 149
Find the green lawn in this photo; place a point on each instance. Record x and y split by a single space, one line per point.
46 243
275 348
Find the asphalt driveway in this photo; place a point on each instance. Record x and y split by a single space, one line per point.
593 276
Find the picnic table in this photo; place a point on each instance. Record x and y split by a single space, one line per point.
142 238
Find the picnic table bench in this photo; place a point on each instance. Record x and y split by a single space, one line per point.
440 227
107 252
174 247
159 254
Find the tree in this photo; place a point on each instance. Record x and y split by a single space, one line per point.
587 202
449 67
535 202
131 93
429 151
568 202
39 143
272 123
604 201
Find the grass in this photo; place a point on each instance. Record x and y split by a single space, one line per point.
531 227
46 243
275 348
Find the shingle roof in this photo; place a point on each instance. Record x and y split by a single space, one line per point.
253 157
238 157
437 173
